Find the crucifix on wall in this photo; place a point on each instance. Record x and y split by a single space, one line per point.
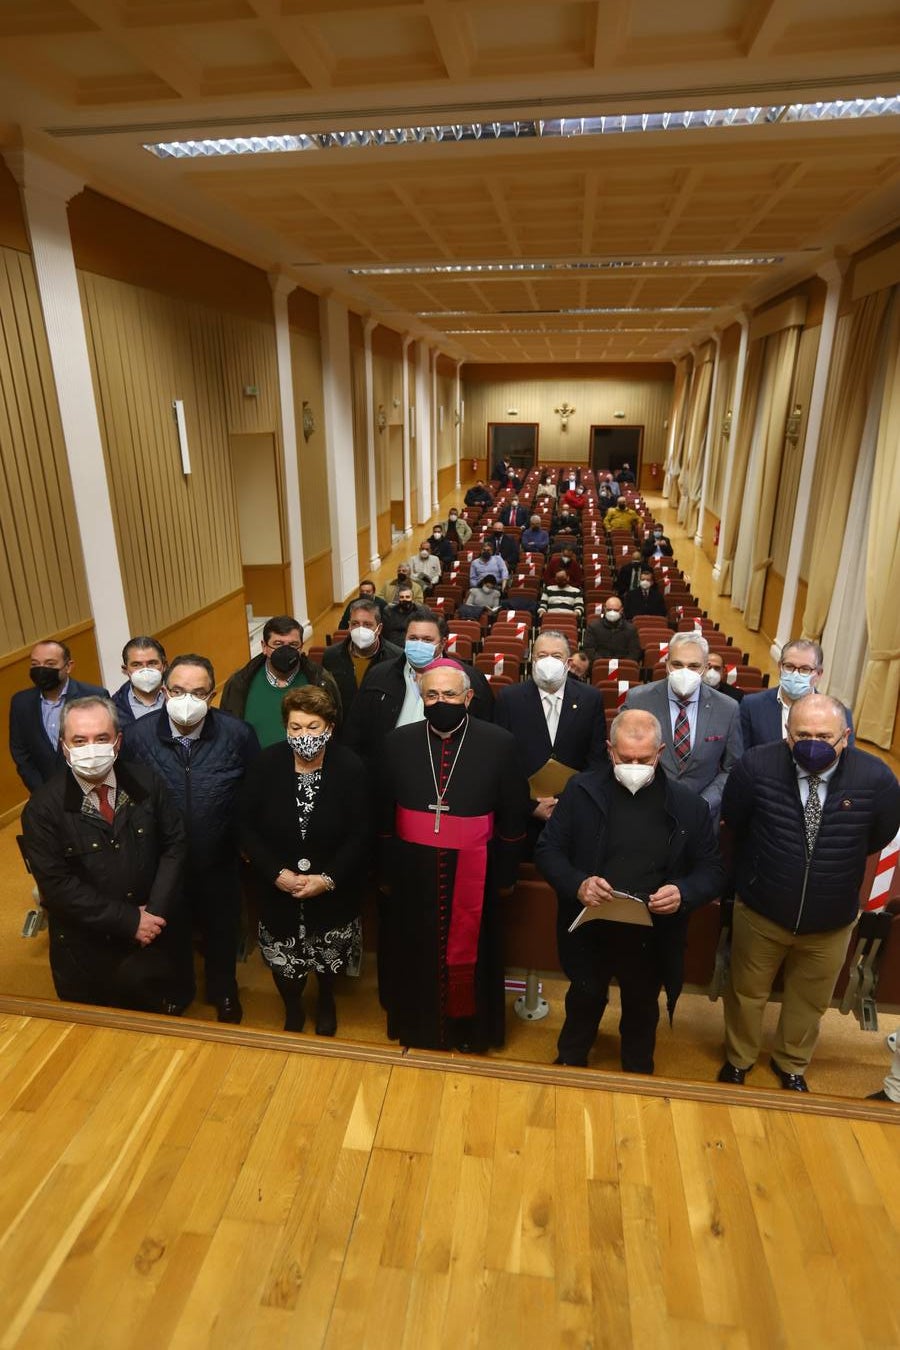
564 412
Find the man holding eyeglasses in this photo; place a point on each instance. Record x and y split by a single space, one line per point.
803 815
453 808
764 716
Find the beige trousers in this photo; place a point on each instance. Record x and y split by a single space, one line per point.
812 963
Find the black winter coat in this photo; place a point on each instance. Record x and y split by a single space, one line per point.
773 875
204 785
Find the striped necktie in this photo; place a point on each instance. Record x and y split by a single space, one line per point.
682 746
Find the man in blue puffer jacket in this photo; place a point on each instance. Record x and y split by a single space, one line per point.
202 754
804 815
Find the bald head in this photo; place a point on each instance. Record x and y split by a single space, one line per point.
634 725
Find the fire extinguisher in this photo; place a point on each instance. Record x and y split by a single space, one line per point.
716 534
654 470
474 465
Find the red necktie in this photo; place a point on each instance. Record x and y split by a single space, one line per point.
682 733
107 810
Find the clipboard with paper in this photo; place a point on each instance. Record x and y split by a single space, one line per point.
623 908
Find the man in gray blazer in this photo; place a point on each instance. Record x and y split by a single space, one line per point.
701 728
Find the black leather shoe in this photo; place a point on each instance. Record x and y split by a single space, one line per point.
793 1082
730 1073
880 1097
572 1063
229 1010
326 1020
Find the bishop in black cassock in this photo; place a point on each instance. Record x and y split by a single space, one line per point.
454 807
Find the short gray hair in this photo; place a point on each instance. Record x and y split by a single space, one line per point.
82 704
807 645
682 639
365 605
554 633
642 719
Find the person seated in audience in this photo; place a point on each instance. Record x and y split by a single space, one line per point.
566 559
512 481
611 483
606 498
580 666
425 568
514 513
535 539
351 660
559 596
764 715
403 578
658 545
546 487
804 813
625 826
504 545
625 475
611 635
567 522
486 564
574 498
622 516
306 829
254 692
106 844
628 577
366 592
34 714
647 598
703 730
397 616
479 495
202 754
714 676
555 719
441 546
143 663
485 596
456 530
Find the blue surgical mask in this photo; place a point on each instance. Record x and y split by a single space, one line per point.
794 684
418 653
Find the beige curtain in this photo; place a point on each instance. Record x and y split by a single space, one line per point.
781 355
792 461
739 448
853 365
719 444
877 707
691 479
680 395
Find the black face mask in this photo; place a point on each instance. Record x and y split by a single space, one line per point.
445 716
486 553
405 605
285 660
46 678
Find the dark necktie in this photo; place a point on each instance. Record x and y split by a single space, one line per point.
107 810
812 814
682 745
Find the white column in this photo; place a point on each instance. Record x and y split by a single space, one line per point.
435 436
833 274
710 436
404 394
281 289
374 559
423 432
45 190
457 420
744 320
337 388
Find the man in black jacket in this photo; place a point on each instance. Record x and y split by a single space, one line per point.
34 714
106 845
610 635
254 692
626 828
202 754
804 815
352 660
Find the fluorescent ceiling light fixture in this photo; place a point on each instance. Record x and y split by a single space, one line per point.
557 332
606 265
533 313
543 129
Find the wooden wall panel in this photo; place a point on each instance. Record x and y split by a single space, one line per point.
318 584
13 233
306 364
771 607
177 534
446 431
792 460
387 366
249 361
14 676
267 587
360 419
42 583
218 631
596 392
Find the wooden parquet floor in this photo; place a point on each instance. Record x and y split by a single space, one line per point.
166 1191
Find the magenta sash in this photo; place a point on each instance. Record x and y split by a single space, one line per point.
468 836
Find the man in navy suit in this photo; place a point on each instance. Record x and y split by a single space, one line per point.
553 717
764 715
34 714
514 514
701 728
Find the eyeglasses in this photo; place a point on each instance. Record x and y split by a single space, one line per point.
790 669
444 696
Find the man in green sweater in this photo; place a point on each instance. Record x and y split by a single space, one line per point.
255 692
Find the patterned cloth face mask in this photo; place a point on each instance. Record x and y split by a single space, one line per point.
309 747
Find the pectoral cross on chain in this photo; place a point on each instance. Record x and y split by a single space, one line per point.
437 807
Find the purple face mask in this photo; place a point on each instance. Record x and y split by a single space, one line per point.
814 756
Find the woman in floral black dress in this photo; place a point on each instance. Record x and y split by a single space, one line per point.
305 829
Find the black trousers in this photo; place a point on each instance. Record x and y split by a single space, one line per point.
593 956
214 896
114 973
